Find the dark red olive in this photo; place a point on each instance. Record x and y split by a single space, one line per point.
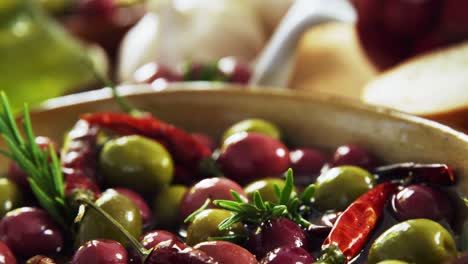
353 155
96 7
419 201
170 252
40 260
100 252
145 211
153 238
276 233
454 21
205 140
17 175
153 71
235 70
30 231
306 164
212 188
226 252
254 156
410 18
75 182
6 256
283 255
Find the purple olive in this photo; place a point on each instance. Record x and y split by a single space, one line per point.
30 231
419 201
213 188
234 70
137 199
306 164
276 233
226 252
100 252
97 7
38 259
6 256
253 156
153 238
285 255
170 252
353 155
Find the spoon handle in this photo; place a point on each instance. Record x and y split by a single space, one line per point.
274 64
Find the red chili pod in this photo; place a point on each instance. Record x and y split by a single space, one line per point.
185 149
353 226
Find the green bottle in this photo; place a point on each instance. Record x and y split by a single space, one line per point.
38 59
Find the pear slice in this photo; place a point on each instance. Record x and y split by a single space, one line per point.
433 86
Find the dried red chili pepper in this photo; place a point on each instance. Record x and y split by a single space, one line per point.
185 149
79 158
440 174
351 230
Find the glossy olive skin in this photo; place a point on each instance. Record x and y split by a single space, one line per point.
266 188
340 186
6 256
122 209
10 196
153 238
253 125
137 199
211 188
306 164
171 252
166 206
30 231
206 223
101 252
419 201
137 163
38 259
253 156
226 252
354 155
280 232
418 241
283 255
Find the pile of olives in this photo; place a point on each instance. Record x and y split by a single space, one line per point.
139 174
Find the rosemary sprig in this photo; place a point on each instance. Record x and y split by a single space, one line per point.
259 211
42 166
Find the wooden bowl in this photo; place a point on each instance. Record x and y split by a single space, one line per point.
317 120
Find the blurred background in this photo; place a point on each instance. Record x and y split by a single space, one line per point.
403 54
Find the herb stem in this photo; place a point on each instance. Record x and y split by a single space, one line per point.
142 252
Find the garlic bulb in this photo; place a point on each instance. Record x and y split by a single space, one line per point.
175 31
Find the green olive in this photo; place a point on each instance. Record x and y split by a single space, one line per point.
137 163
393 262
254 125
418 241
340 186
206 223
265 187
10 196
56 6
166 205
122 209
